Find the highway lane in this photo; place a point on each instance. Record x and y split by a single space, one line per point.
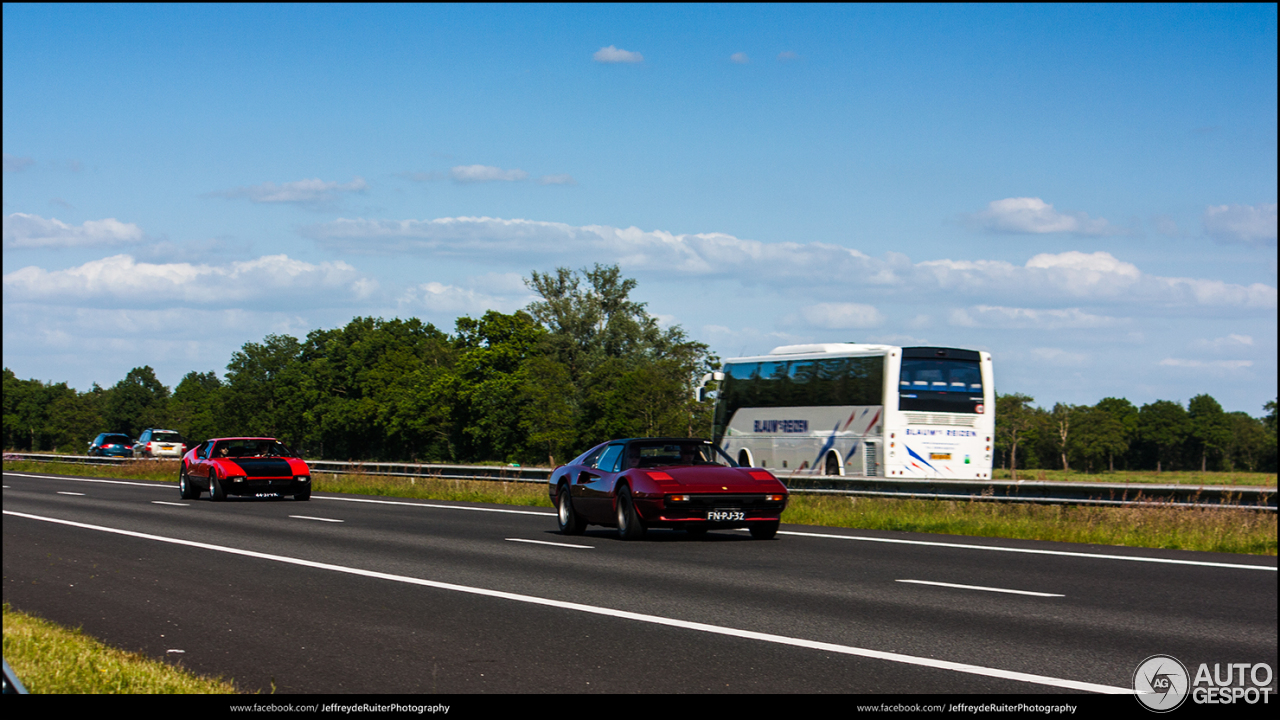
267 619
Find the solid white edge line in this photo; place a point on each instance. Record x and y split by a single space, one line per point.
166 486
308 517
979 587
63 492
621 614
169 486
547 542
997 548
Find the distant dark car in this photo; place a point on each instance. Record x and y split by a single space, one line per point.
685 483
154 442
243 466
111 445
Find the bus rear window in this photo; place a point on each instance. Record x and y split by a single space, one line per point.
940 385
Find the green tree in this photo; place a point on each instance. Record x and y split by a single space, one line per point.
136 403
1208 426
489 407
1267 462
367 390
1016 423
1063 417
628 375
261 397
74 419
1163 424
1126 415
1247 444
195 407
1097 434
549 401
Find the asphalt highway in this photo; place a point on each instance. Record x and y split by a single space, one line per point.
379 595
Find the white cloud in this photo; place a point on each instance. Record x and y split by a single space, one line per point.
612 54
787 55
1097 277
485 173
1035 216
1219 365
1255 224
1048 279
1228 343
740 58
842 316
32 231
313 192
120 281
450 300
1015 318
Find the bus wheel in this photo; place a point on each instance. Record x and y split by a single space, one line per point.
833 464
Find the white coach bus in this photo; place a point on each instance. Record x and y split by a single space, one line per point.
859 410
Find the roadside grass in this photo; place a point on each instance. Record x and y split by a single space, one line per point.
528 494
166 470
51 659
1157 526
1179 477
1209 530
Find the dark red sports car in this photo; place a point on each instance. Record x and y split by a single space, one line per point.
684 483
243 466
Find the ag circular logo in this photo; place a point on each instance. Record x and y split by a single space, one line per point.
1161 683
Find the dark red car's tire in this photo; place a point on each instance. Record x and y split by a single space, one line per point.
186 488
571 523
629 525
216 492
764 530
304 495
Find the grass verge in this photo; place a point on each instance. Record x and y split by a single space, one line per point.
1208 530
49 658
1243 479
1211 530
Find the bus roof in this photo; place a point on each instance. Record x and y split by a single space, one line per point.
852 350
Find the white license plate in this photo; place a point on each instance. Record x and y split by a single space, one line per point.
722 515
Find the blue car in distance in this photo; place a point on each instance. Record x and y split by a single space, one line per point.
111 445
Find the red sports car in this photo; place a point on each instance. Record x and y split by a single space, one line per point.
684 483
243 466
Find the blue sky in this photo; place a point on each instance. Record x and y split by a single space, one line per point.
1089 192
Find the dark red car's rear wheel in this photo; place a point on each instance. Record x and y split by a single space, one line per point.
571 523
629 525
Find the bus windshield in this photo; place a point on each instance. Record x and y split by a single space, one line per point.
940 385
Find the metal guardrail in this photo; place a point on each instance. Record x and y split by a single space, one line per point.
1040 491
1035 491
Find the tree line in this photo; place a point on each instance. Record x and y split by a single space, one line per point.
1116 435
583 363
